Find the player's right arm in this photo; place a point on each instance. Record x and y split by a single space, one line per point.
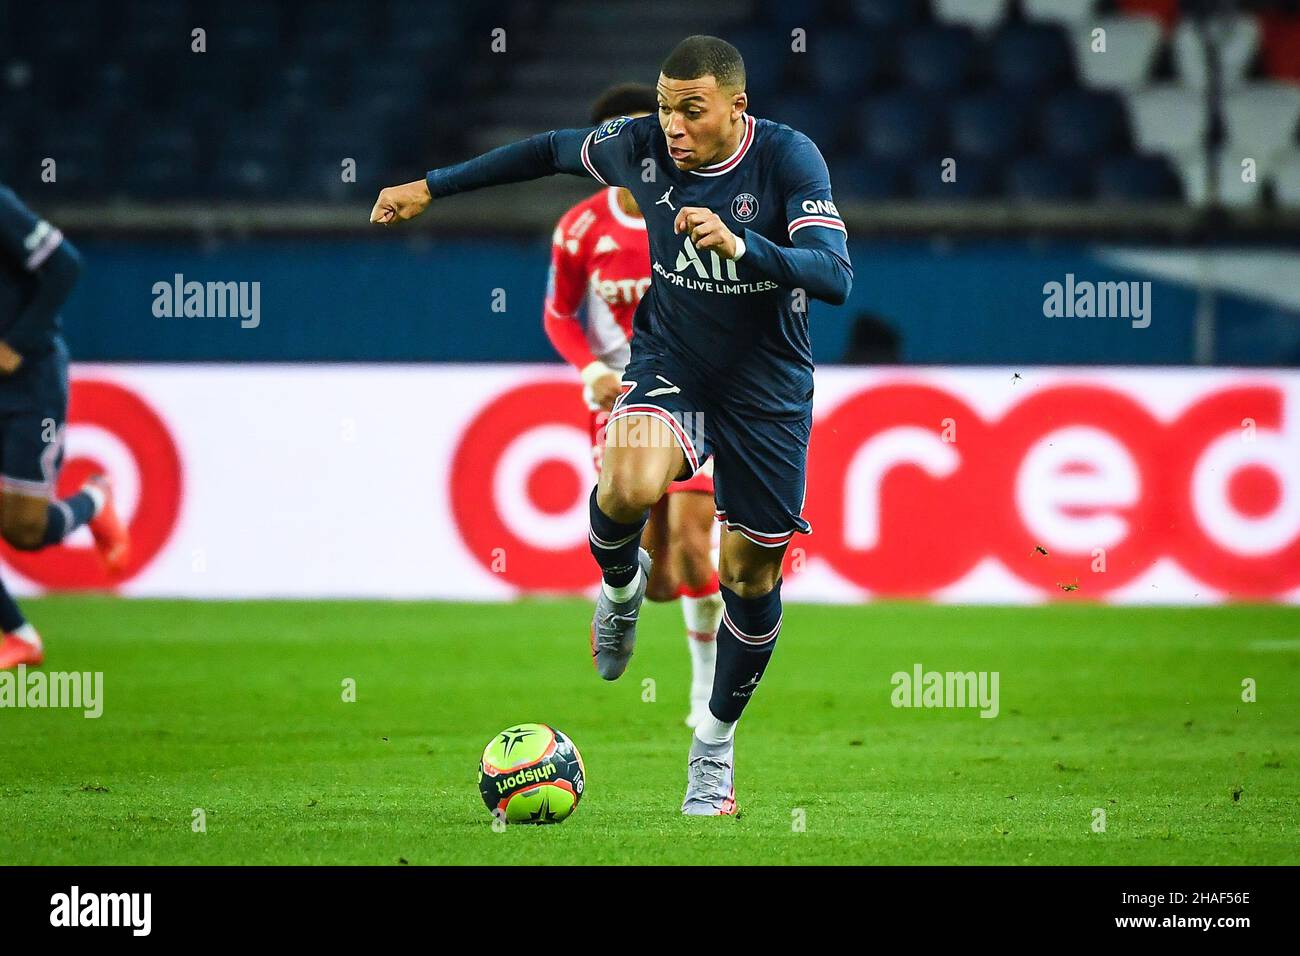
39 249
599 152
566 287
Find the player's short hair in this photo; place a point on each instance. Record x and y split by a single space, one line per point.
624 100
700 55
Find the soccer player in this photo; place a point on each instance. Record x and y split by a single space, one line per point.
600 266
742 231
38 268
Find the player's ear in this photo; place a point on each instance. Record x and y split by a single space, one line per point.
739 103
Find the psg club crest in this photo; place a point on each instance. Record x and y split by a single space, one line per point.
744 207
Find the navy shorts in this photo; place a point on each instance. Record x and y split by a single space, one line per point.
759 465
33 408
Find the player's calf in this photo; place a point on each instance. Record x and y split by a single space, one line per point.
690 523
751 622
633 477
664 582
29 523
23 522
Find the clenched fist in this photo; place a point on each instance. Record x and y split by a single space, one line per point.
9 359
706 230
401 202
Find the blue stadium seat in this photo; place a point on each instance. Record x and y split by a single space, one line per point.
79 144
67 28
158 27
988 126
785 15
160 80
1046 178
253 160
1137 178
387 87
937 59
326 27
1031 57
808 114
246 28
892 14
359 136
435 28
1084 124
976 179
115 86
308 83
869 179
227 82
58 83
162 164
845 63
901 126
768 62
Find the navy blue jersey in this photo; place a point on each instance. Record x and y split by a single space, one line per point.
739 327
38 268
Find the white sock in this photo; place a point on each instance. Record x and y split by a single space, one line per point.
623 594
96 496
702 616
710 730
28 634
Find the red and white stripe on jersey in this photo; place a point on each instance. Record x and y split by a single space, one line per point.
830 222
586 159
732 161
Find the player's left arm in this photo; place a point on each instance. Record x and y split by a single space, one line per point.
40 249
819 261
602 152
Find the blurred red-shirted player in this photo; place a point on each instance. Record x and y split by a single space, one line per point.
600 268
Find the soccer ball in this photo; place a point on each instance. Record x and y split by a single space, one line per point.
531 773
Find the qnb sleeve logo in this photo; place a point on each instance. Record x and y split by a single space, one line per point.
1077 490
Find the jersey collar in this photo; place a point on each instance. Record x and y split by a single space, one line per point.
732 161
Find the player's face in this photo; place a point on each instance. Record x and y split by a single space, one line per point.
699 120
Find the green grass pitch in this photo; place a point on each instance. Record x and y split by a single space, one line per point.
237 709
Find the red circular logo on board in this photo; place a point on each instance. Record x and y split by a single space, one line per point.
110 416
520 480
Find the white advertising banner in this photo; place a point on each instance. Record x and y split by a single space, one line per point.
471 482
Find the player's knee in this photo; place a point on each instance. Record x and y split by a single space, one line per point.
749 579
628 490
23 532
